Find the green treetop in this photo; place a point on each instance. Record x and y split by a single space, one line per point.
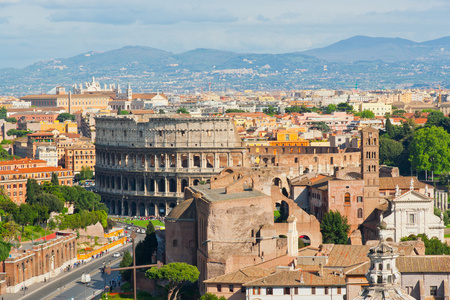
176 274
334 228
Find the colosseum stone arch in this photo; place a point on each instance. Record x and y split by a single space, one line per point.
144 163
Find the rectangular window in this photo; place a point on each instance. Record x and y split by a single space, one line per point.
219 288
412 218
339 291
359 199
243 289
269 291
326 290
433 290
256 290
296 290
409 290
287 291
313 290
231 287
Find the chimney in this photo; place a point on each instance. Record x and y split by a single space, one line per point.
321 270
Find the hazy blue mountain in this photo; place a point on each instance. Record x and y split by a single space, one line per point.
369 61
360 48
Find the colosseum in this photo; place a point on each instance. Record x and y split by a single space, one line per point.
144 163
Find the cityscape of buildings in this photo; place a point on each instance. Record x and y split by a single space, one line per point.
243 182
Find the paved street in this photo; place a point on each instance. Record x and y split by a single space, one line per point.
68 285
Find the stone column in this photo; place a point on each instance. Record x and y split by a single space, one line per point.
156 210
216 161
166 161
202 160
157 158
230 160
145 187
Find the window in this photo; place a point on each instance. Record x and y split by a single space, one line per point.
409 290
175 243
360 213
359 199
219 288
296 290
256 290
287 291
412 218
243 289
433 290
389 279
313 290
125 133
339 291
141 134
269 291
347 199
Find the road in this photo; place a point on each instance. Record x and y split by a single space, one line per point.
68 285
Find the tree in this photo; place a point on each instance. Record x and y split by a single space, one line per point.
435 118
127 261
182 110
331 108
176 274
64 117
11 120
146 247
161 112
18 133
52 202
270 110
5 248
55 180
232 110
366 114
433 246
211 296
390 150
334 228
389 128
430 150
343 106
119 111
41 212
31 191
25 215
3 113
322 126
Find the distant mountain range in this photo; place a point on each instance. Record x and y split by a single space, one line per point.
371 62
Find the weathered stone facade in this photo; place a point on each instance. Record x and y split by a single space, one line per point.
39 262
229 224
303 159
144 163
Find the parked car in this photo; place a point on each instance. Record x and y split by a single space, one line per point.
117 254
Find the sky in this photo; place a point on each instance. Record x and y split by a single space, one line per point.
35 30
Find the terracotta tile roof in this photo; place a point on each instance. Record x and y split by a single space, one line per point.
424 264
403 182
294 278
421 121
21 161
33 170
184 210
241 276
283 260
348 255
410 264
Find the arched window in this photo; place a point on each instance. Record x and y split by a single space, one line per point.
360 213
347 199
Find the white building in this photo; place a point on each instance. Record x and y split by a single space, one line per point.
49 154
411 213
297 284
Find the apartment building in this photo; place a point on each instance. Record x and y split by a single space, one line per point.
80 155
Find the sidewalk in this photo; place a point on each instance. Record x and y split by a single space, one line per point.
39 285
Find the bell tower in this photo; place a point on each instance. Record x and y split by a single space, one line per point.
370 169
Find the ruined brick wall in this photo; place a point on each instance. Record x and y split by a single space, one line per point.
181 241
93 230
304 159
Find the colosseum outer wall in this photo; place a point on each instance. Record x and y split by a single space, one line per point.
144 163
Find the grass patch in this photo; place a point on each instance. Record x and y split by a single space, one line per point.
447 235
140 296
33 232
144 223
